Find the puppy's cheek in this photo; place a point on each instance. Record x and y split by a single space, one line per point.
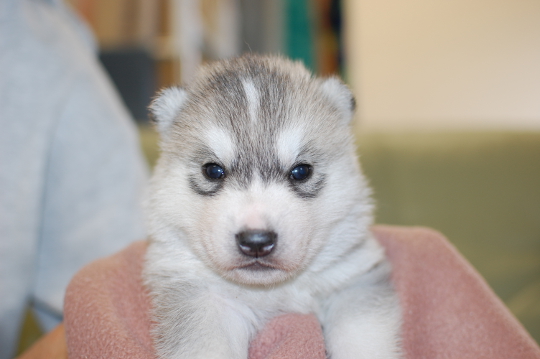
216 241
165 211
294 237
311 234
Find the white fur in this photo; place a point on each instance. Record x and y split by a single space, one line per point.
253 99
220 143
325 262
166 106
340 94
288 146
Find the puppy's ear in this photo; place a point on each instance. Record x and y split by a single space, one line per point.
166 106
341 97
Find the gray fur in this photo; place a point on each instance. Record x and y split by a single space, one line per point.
217 96
258 118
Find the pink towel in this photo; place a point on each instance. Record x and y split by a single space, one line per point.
448 309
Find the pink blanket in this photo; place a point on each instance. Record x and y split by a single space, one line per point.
448 309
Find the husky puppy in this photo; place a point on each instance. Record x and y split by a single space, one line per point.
258 208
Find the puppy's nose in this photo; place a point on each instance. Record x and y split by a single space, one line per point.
256 243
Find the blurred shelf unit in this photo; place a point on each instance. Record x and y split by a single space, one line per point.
177 34
180 34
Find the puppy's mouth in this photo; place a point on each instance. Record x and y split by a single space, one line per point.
257 266
257 272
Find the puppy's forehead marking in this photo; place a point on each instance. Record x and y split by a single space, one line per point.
289 144
220 142
252 97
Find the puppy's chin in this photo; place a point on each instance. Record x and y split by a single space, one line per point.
258 274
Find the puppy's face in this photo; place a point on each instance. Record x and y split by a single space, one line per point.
257 168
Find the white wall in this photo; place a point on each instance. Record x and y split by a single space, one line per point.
444 64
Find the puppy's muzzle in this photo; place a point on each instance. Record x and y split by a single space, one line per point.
256 243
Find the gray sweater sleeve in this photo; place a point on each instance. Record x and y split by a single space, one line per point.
71 172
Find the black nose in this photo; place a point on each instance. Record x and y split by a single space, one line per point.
256 243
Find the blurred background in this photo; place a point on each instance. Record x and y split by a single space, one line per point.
448 122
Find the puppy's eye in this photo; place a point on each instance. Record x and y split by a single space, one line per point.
301 172
213 171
